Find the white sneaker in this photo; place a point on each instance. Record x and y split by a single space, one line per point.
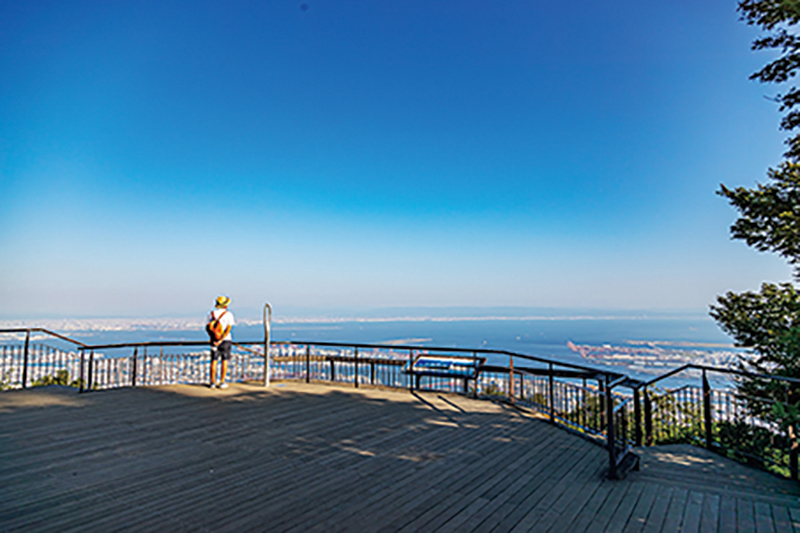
222 386
212 386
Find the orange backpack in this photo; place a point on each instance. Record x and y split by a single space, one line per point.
215 329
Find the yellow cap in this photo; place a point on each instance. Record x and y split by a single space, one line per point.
223 301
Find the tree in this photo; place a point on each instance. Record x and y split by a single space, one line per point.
768 322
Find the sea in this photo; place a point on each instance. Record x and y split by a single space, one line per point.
641 345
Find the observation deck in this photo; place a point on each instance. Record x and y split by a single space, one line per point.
328 457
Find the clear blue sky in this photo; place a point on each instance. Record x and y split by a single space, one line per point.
376 154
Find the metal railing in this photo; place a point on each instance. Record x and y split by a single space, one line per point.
26 364
719 420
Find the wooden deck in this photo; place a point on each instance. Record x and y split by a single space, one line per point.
300 457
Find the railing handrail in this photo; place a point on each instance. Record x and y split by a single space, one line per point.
44 330
720 370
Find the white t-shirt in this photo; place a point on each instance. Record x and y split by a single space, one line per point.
225 321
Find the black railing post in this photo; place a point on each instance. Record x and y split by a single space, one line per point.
477 373
511 379
90 378
333 368
610 436
372 372
356 365
133 372
551 395
707 418
648 419
81 382
308 363
602 400
410 370
25 359
637 417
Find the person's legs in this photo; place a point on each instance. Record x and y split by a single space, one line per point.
225 354
213 370
223 374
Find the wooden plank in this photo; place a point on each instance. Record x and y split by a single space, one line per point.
538 516
781 518
586 461
763 517
583 496
530 498
745 518
502 487
424 483
727 513
623 513
677 507
709 521
575 495
638 516
550 455
604 514
692 512
794 514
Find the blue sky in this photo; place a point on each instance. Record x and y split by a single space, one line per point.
374 154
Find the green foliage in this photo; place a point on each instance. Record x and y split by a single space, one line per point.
5 381
674 421
767 322
492 390
756 446
769 216
61 378
778 18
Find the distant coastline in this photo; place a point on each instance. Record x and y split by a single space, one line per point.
178 324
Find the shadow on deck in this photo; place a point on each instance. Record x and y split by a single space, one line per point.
317 457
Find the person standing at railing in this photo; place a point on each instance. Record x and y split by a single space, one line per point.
219 328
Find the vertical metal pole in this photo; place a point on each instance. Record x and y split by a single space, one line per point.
707 418
637 417
410 369
25 359
612 447
511 379
477 373
648 419
82 382
90 380
308 363
135 357
356 366
602 411
267 332
551 394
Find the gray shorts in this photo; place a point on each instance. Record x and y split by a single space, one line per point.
223 351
